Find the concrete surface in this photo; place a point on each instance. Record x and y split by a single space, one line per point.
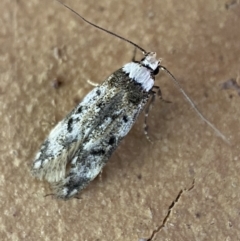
184 186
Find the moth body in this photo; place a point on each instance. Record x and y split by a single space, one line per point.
80 145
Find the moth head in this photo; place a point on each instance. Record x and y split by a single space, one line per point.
150 62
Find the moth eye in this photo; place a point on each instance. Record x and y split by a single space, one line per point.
156 71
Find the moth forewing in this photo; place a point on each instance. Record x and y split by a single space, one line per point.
86 138
63 141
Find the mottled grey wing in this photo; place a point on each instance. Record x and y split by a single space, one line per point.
119 110
68 135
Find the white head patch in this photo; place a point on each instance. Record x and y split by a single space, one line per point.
151 61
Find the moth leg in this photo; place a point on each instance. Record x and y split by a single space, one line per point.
50 194
92 83
159 93
147 109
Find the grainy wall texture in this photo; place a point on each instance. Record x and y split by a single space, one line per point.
184 186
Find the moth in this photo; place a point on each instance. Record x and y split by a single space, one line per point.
81 144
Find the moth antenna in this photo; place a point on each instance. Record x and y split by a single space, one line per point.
218 132
103 29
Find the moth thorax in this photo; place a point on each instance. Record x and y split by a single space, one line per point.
143 72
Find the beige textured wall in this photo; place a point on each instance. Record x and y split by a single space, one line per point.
42 42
